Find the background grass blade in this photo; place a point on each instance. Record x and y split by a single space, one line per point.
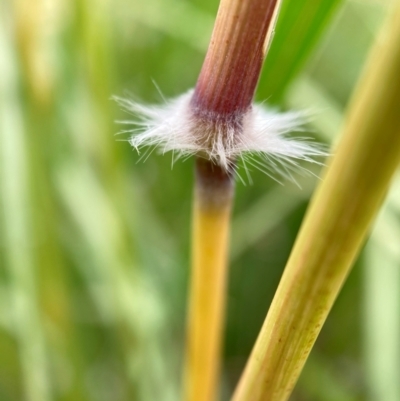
300 25
382 299
26 322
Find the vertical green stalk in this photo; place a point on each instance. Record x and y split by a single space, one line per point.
38 75
337 222
211 225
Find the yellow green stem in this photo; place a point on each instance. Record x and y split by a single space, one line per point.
337 222
211 222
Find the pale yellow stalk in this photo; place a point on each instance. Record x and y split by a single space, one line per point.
337 222
207 297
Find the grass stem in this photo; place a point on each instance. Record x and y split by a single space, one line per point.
222 97
211 222
336 225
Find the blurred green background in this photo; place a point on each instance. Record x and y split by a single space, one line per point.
94 246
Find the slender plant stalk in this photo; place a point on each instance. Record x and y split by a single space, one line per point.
223 94
211 222
335 227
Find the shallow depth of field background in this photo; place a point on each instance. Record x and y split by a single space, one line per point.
94 245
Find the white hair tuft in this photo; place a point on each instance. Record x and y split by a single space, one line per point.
175 126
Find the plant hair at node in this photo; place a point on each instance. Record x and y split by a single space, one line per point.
259 138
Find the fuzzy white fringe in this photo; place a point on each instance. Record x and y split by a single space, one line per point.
173 127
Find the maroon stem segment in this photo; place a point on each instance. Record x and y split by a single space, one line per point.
232 66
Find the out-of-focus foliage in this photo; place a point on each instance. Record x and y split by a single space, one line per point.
300 24
94 245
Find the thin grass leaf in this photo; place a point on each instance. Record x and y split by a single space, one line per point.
300 24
